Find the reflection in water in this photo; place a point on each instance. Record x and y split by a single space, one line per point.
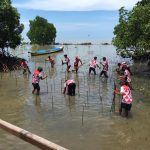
37 101
61 118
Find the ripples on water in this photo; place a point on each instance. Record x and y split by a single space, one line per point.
61 119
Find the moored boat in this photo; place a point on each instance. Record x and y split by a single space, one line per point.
49 51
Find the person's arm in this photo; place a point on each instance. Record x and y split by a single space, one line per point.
64 88
42 77
64 62
98 65
101 63
122 77
80 61
117 92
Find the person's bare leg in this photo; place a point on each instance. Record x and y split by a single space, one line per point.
38 92
126 113
33 91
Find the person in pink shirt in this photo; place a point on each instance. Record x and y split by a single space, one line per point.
36 77
126 101
121 67
24 65
70 87
67 62
76 63
93 64
126 77
52 61
104 63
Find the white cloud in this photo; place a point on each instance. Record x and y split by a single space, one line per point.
76 5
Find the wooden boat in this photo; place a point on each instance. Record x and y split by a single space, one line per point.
49 51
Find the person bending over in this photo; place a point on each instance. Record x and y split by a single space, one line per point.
69 87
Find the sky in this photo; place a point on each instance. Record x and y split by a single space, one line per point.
75 20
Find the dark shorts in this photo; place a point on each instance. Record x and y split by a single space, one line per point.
126 106
36 86
92 69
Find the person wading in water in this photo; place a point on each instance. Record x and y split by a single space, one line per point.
25 66
76 63
93 64
104 63
70 87
126 101
36 77
52 61
67 62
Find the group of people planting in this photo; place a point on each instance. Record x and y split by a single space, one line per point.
69 85
123 71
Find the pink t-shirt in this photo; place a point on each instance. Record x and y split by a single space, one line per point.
93 63
68 82
36 77
105 65
127 97
67 60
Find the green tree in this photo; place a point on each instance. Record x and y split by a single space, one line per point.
121 30
133 30
10 27
41 32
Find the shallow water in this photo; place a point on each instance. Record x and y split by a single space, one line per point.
83 122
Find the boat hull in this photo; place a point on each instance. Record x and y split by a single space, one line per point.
47 52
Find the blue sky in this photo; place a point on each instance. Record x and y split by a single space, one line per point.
75 20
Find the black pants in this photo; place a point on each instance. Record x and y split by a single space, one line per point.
105 74
71 89
127 108
92 69
36 86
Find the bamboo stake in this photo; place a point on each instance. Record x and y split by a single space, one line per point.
78 89
46 85
49 71
82 115
87 97
52 103
54 84
51 88
113 100
35 64
30 137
